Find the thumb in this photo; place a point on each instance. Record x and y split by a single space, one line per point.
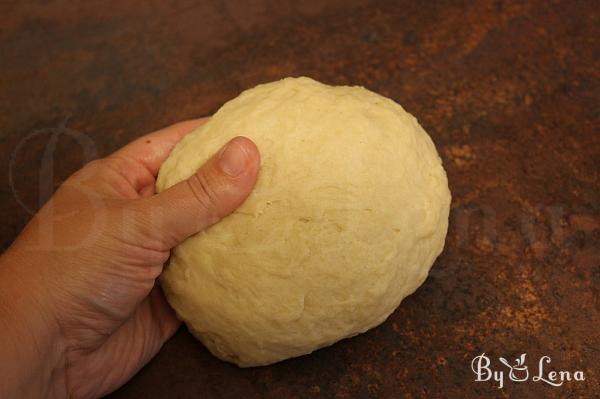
218 188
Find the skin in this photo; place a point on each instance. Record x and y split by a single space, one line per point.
80 308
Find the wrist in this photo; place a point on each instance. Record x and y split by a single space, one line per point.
31 348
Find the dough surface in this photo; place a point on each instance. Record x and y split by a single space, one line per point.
349 212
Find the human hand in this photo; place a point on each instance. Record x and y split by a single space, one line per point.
80 312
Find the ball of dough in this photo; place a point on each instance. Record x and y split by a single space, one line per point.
348 214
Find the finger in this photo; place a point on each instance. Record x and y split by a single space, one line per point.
164 316
214 191
152 149
132 346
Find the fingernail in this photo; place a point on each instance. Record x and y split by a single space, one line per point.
233 158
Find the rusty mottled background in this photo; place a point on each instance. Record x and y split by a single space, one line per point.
508 90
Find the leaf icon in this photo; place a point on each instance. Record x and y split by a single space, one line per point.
521 359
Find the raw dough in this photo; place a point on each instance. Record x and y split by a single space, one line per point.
349 213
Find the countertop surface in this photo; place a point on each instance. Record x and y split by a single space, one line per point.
508 90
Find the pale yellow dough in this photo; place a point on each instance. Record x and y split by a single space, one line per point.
349 213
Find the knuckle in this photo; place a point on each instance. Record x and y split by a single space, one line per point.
89 169
204 193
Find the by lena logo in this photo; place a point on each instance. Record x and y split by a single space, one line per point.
519 371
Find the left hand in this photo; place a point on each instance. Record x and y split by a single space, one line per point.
80 311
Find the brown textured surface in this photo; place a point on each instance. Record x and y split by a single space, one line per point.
508 90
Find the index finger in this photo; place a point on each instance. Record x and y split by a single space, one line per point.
152 149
